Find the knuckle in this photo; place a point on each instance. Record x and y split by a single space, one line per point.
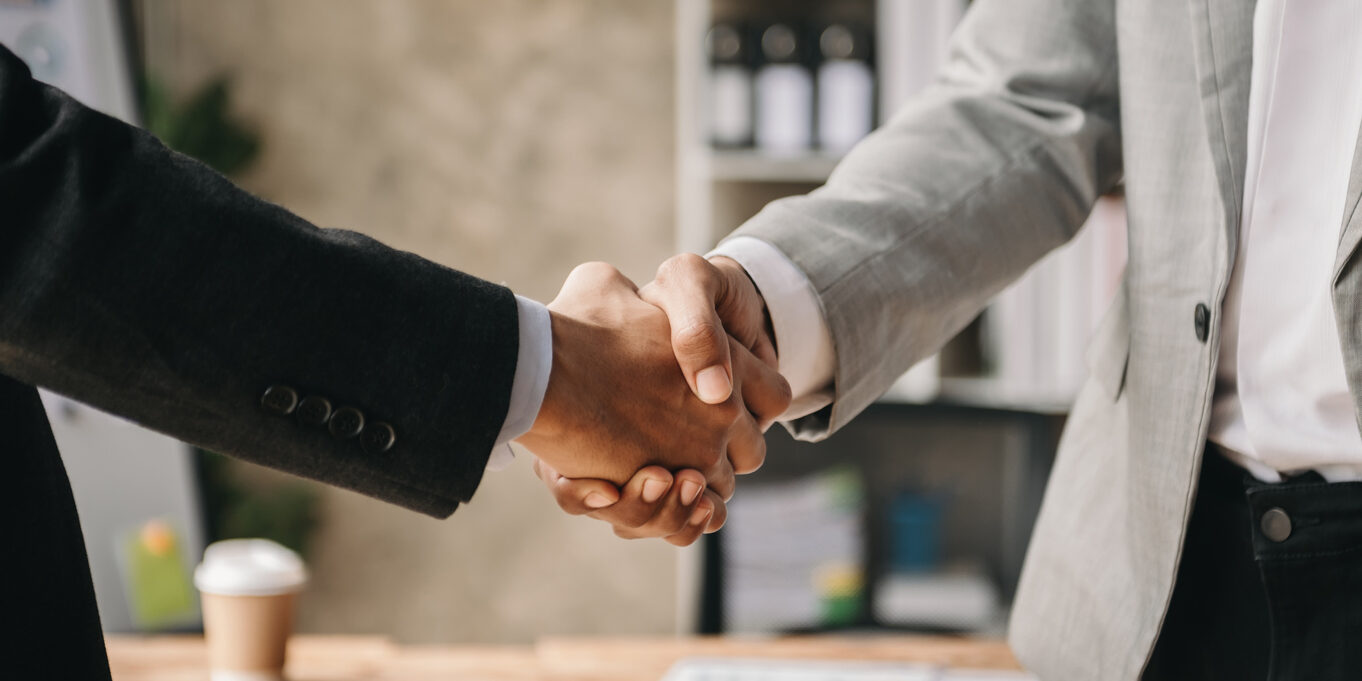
680 266
700 337
784 395
588 268
751 460
596 271
693 264
725 490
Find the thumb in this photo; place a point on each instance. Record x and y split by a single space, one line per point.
687 289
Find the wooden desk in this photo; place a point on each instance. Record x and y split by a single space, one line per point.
347 658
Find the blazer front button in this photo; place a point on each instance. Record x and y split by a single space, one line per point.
378 438
279 399
1203 322
346 422
313 411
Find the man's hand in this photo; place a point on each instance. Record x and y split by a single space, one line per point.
707 302
710 305
617 401
654 503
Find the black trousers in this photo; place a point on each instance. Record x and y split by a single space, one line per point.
1270 584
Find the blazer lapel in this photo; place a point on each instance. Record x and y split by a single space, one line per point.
1351 232
1223 39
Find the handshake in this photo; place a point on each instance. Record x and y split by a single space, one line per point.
658 396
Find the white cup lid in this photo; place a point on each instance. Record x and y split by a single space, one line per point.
249 567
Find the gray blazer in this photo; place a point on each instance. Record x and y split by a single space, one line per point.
1042 107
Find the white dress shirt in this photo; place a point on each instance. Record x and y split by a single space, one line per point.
803 341
1282 403
534 362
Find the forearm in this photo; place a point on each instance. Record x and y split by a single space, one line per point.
141 282
997 164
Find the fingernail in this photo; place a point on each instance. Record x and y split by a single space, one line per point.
701 515
653 489
713 384
689 490
597 500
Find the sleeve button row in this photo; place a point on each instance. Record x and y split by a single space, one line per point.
344 423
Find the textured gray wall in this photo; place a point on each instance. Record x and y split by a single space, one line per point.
511 139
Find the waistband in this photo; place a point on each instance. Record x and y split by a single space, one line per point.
1303 516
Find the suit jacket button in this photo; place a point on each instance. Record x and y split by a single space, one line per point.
378 438
1202 319
313 411
346 422
279 399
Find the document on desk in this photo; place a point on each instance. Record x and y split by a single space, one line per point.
983 675
754 669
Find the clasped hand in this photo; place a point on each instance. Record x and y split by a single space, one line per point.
658 397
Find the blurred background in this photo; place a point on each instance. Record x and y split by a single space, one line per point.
513 140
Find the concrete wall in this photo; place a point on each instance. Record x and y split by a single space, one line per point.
511 139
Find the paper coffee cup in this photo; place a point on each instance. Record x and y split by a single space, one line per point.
249 587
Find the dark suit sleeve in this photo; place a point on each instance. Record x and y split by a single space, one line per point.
141 282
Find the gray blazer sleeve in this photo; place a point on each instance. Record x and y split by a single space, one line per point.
141 282
999 162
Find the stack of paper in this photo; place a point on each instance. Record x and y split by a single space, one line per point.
794 554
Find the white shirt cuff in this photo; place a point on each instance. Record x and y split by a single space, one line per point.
534 361
803 339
